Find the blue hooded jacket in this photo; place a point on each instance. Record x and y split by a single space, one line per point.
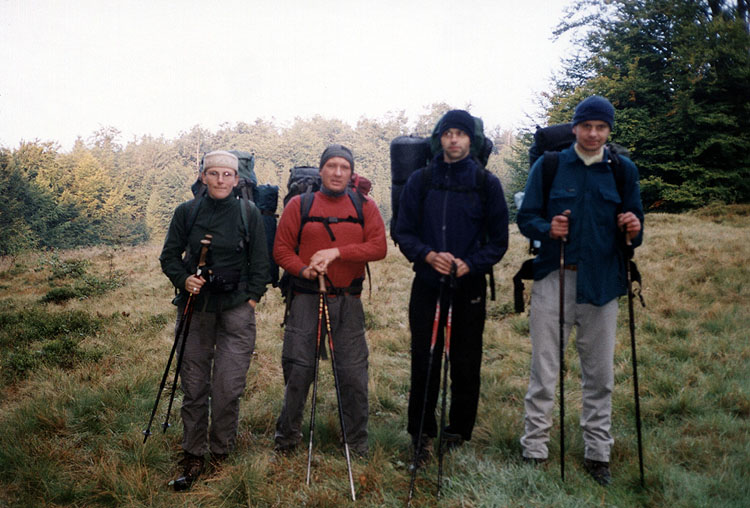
448 217
594 243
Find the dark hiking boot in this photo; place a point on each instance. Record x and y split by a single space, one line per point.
451 441
284 448
192 467
216 461
423 453
534 461
598 470
360 451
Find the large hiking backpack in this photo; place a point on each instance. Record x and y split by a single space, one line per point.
301 177
408 153
412 153
548 143
265 197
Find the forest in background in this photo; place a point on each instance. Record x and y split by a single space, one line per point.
678 74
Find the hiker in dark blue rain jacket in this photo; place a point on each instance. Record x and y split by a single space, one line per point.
590 193
451 213
586 215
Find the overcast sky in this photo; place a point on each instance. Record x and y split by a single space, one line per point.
159 67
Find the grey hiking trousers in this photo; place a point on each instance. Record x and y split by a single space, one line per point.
217 356
595 342
298 364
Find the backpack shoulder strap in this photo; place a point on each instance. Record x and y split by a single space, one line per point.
550 161
193 213
357 200
618 172
305 203
245 205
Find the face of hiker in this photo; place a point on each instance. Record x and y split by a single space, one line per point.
220 181
336 174
591 135
456 145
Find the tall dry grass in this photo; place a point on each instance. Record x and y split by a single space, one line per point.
71 435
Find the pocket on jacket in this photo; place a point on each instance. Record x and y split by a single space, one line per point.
561 199
610 203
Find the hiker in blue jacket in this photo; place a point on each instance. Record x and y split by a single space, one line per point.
587 211
453 211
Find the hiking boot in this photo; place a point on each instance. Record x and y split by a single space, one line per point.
423 453
216 461
598 470
534 461
451 441
192 467
284 448
360 450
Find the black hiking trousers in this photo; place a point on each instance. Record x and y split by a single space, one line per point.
469 302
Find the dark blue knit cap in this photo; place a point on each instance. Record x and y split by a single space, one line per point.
595 108
457 119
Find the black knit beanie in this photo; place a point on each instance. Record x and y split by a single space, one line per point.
457 119
336 151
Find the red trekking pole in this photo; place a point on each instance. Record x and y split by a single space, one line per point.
446 361
433 340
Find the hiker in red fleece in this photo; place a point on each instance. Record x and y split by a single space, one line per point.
337 240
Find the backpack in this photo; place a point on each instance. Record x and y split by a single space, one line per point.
411 153
302 177
548 142
408 153
265 197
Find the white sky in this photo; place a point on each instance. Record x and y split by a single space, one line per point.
70 67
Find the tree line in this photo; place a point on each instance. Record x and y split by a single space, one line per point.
106 192
678 74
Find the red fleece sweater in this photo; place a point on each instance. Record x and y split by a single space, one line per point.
357 245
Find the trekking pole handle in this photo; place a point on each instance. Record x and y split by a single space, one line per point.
321 283
205 244
566 213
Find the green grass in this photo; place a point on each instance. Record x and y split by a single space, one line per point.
80 377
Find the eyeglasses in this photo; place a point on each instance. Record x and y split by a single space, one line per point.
225 174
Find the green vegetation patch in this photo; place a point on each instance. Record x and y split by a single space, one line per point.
63 269
31 338
86 287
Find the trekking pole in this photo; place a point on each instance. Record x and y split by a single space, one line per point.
315 379
632 350
147 432
563 240
205 244
336 384
446 361
433 340
180 325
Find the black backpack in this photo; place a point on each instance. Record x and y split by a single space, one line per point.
548 142
302 179
412 153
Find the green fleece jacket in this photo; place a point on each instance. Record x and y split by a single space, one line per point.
222 219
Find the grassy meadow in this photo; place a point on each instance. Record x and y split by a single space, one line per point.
85 334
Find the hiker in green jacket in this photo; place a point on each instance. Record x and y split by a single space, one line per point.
222 334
